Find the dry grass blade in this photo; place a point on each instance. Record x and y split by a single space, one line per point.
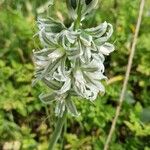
130 60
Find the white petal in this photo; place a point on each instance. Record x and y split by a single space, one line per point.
56 54
92 93
101 29
100 86
66 86
98 57
96 75
106 48
60 108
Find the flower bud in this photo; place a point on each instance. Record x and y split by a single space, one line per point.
88 1
90 5
72 3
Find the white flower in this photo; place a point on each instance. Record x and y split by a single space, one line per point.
87 85
71 61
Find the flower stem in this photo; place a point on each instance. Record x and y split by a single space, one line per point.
48 115
57 132
63 134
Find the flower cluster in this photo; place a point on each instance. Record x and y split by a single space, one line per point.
71 62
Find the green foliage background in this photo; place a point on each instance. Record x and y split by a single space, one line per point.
25 123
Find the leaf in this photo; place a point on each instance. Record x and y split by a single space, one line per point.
129 98
145 115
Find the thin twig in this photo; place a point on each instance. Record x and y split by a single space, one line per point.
106 146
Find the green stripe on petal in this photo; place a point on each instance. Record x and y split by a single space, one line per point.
71 107
47 98
55 85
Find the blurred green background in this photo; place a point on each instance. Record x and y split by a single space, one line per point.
25 123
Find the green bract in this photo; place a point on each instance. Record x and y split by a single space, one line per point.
71 61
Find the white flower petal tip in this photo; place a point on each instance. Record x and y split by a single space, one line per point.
102 93
66 87
106 48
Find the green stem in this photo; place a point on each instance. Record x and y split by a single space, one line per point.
57 132
64 132
48 116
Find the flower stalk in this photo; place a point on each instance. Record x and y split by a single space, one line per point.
56 134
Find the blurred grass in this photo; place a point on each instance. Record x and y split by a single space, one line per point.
23 118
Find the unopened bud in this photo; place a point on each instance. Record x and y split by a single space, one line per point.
88 1
73 3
